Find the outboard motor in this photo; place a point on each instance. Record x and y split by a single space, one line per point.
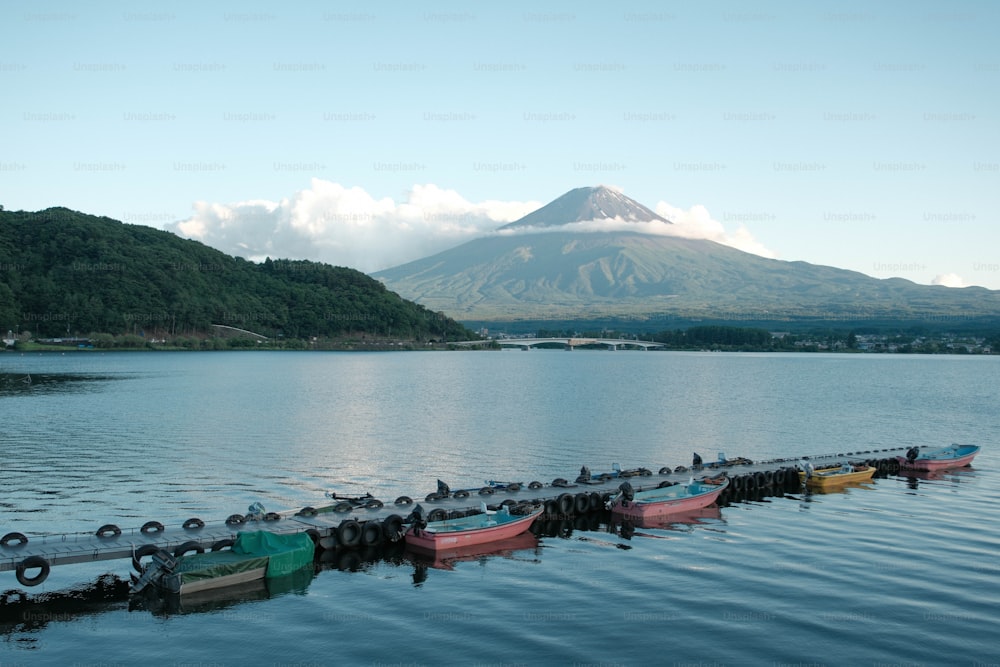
416 519
628 493
443 490
696 459
625 493
912 453
808 468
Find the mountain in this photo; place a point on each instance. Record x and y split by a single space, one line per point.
541 268
584 204
67 273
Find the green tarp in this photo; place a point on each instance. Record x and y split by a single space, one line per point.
286 553
281 554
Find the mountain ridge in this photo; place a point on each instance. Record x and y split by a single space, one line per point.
548 271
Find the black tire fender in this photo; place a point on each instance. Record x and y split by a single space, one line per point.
371 533
392 528
566 503
142 552
223 544
30 563
151 527
349 533
190 545
21 539
108 530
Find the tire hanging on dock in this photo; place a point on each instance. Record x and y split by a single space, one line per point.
151 527
21 538
392 528
566 503
108 530
349 533
30 563
371 533
223 544
189 546
140 553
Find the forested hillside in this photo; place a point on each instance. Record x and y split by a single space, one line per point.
64 273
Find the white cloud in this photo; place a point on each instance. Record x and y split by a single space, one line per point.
694 223
949 280
347 226
343 226
698 223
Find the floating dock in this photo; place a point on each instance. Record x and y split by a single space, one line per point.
371 522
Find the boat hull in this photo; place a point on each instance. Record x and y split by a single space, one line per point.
451 534
656 504
825 480
255 555
956 456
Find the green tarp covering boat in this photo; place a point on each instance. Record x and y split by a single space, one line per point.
254 555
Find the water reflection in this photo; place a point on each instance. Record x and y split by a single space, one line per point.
685 521
18 384
221 599
24 615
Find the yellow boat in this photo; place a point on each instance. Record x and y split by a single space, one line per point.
824 478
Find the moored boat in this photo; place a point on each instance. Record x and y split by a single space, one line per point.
955 456
824 478
253 555
667 499
474 529
445 558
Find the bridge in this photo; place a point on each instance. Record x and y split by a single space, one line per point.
568 342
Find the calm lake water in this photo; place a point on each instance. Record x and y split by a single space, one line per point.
899 572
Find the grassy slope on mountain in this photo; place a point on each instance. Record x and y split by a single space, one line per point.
564 275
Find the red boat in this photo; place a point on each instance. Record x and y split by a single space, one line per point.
662 501
955 456
445 559
489 526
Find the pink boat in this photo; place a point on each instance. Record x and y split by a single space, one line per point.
955 456
445 558
664 501
471 530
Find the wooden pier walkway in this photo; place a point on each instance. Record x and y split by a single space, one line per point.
337 529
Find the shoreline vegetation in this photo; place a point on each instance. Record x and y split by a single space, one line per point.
704 338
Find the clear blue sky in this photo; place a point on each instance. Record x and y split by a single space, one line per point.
855 134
